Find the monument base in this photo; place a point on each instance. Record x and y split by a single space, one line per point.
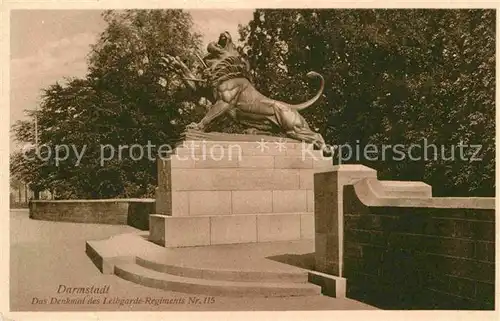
171 231
227 192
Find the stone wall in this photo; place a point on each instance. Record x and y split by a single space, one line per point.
237 178
134 212
412 251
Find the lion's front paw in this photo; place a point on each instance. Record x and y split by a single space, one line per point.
194 126
251 131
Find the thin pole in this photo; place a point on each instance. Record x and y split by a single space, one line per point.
36 127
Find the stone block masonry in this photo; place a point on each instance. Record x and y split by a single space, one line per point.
171 231
407 252
241 192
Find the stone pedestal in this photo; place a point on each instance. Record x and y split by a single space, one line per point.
329 214
223 192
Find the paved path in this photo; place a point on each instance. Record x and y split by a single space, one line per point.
45 255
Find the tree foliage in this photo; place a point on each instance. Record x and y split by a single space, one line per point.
127 98
393 77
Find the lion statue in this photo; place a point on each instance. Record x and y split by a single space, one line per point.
227 74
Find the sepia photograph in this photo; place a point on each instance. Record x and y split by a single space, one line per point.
317 159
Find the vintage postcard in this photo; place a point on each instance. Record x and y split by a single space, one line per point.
232 158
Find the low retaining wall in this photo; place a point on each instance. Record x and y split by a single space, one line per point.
133 212
405 252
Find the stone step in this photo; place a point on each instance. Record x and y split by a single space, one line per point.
140 275
224 274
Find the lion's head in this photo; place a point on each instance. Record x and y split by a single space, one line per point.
224 60
225 39
223 45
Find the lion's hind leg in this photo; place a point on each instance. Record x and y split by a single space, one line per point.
307 136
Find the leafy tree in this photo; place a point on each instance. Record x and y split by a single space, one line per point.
17 185
393 77
127 98
389 82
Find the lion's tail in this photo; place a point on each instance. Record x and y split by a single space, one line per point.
311 101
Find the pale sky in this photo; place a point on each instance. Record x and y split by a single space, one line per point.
47 45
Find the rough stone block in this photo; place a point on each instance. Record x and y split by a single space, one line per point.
187 153
307 226
226 162
163 191
252 202
267 149
289 201
306 178
181 161
304 152
290 146
323 163
210 149
209 203
187 231
157 228
292 162
326 265
163 166
214 152
234 147
297 152
163 202
256 162
310 200
180 204
327 252
278 227
234 179
193 179
229 229
326 205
